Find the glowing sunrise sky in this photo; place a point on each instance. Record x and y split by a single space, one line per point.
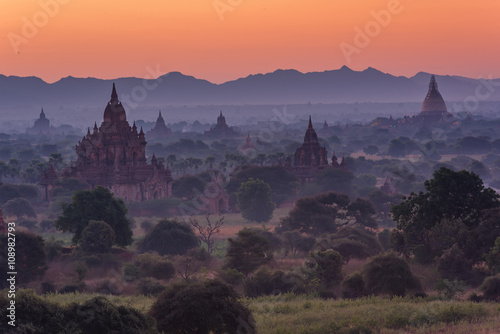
119 38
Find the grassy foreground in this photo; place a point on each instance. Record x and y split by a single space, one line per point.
303 314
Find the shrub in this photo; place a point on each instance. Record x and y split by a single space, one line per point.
230 276
146 226
130 272
48 287
149 287
107 287
264 282
453 264
389 275
153 265
169 237
326 266
72 288
248 251
450 289
209 306
97 237
98 315
353 286
491 288
53 248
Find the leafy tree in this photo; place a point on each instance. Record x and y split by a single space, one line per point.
353 286
248 251
493 257
30 257
351 242
206 307
282 183
188 186
169 237
254 200
154 265
326 213
295 242
97 237
19 207
389 275
326 266
98 315
453 264
97 204
457 197
264 282
491 288
8 192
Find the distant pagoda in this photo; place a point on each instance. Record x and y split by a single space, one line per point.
433 108
221 129
312 158
41 126
160 130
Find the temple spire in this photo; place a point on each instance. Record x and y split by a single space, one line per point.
114 95
310 123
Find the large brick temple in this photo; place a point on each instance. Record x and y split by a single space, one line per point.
114 156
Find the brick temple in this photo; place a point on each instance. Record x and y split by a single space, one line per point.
114 155
312 158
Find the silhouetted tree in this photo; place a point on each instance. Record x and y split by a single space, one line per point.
255 201
248 251
19 207
169 237
97 237
97 204
207 307
450 198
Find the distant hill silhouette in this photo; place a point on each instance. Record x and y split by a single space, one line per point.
280 87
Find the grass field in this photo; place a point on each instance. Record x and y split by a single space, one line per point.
305 314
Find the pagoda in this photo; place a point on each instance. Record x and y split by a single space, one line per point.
312 158
160 130
113 155
433 108
221 129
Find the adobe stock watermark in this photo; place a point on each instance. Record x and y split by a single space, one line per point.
140 92
484 90
31 26
223 6
363 37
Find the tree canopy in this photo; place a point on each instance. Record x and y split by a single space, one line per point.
452 210
255 200
207 307
19 207
97 237
325 213
169 237
248 251
97 204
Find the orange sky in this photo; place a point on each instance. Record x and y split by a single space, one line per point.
118 38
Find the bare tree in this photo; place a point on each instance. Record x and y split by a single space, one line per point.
208 230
